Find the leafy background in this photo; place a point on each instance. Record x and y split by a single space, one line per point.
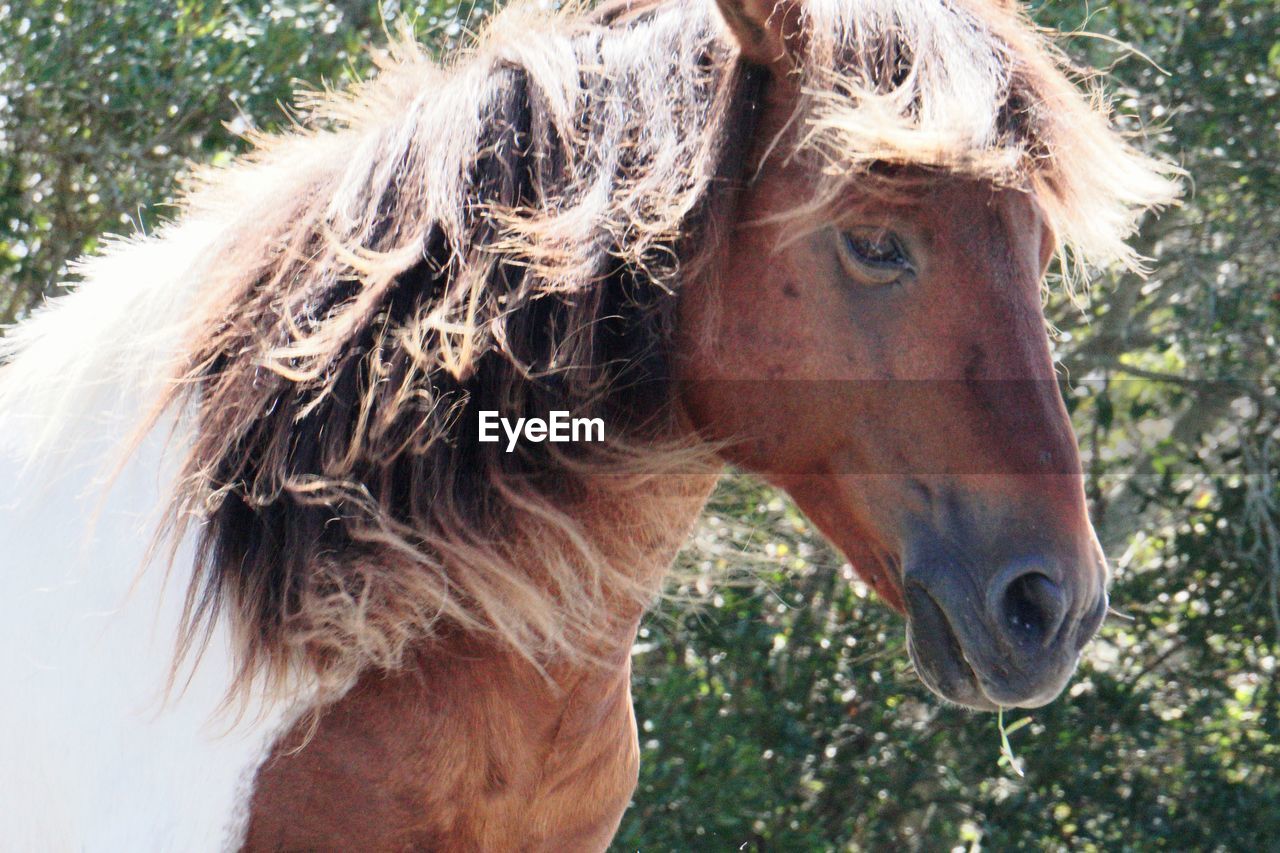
779 711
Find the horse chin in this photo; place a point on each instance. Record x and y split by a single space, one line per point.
935 651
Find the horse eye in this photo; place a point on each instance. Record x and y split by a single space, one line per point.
874 255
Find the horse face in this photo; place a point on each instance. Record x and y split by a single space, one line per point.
890 369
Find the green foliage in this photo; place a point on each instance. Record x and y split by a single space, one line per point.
103 105
780 712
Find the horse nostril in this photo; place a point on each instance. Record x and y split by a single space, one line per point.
1032 608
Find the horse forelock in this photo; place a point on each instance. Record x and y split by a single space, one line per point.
971 87
508 233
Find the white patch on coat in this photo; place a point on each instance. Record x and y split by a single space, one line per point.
93 757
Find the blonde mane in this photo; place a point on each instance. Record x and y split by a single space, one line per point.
509 232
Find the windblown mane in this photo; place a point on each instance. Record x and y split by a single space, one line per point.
509 232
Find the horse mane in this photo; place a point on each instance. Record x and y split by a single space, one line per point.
507 232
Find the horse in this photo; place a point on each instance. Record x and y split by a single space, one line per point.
266 588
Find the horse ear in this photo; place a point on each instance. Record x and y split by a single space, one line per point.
762 29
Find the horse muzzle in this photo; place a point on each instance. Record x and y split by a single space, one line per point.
1006 638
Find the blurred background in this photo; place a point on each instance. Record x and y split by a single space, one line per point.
776 704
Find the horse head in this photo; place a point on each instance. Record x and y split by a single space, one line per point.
873 342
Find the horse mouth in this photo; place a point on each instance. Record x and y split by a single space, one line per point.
938 657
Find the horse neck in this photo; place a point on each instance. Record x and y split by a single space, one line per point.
472 746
